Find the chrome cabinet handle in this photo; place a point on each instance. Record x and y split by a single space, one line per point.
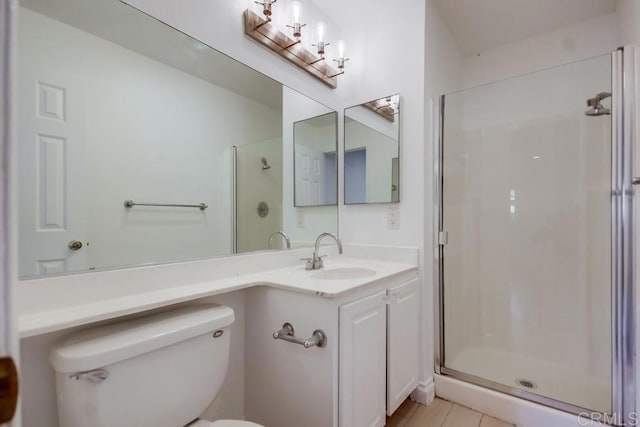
75 245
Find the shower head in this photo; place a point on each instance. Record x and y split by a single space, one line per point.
265 164
595 105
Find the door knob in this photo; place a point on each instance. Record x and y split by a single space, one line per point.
8 389
74 245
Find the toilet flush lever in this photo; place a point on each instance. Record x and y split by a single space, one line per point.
96 376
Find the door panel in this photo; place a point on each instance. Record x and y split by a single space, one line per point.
50 155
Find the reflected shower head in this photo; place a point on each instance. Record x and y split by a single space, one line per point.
265 164
595 105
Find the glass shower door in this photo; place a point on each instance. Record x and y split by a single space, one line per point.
526 201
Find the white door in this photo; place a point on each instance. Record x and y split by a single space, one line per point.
362 362
403 337
9 415
308 180
51 161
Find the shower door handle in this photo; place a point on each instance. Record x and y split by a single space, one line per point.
635 180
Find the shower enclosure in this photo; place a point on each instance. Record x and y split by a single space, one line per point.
534 245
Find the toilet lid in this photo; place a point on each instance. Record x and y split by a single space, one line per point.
224 423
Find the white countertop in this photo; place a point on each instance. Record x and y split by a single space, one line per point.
38 318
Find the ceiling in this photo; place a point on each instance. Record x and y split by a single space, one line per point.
479 25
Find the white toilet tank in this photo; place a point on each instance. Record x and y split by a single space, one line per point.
161 370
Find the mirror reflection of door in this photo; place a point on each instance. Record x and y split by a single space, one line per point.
315 166
51 129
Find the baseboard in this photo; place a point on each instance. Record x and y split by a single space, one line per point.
425 392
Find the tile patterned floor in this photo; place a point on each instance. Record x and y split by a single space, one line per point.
440 413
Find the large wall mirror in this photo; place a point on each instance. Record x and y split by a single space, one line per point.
141 145
372 152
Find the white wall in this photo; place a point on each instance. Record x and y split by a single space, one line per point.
594 37
628 12
130 155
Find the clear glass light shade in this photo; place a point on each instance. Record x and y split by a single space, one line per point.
296 8
320 29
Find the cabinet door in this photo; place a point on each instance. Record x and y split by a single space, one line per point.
362 362
403 337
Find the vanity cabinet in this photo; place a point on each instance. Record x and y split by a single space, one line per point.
363 364
403 343
368 367
379 354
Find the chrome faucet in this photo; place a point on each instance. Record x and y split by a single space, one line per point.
284 236
315 262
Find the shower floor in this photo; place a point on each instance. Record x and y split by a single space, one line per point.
558 382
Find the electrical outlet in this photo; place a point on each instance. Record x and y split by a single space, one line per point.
300 219
393 218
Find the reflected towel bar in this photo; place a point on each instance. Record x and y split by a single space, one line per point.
131 203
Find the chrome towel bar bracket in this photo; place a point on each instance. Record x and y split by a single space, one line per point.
287 333
131 203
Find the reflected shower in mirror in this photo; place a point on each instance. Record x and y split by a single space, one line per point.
372 152
116 106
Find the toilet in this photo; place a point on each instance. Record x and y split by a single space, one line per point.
161 370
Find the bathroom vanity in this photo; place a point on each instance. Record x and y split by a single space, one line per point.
368 367
365 301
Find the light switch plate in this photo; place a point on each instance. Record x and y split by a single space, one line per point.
300 219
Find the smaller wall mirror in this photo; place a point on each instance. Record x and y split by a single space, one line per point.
315 142
372 152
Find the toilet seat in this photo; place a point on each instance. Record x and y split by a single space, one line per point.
224 423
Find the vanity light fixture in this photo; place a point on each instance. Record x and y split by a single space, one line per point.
264 31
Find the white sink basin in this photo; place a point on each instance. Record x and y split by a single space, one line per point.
343 273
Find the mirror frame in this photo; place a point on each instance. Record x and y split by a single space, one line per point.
337 168
344 151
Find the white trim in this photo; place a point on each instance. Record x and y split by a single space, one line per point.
425 392
8 206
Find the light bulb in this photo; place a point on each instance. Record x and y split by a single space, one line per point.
320 28
297 8
341 49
